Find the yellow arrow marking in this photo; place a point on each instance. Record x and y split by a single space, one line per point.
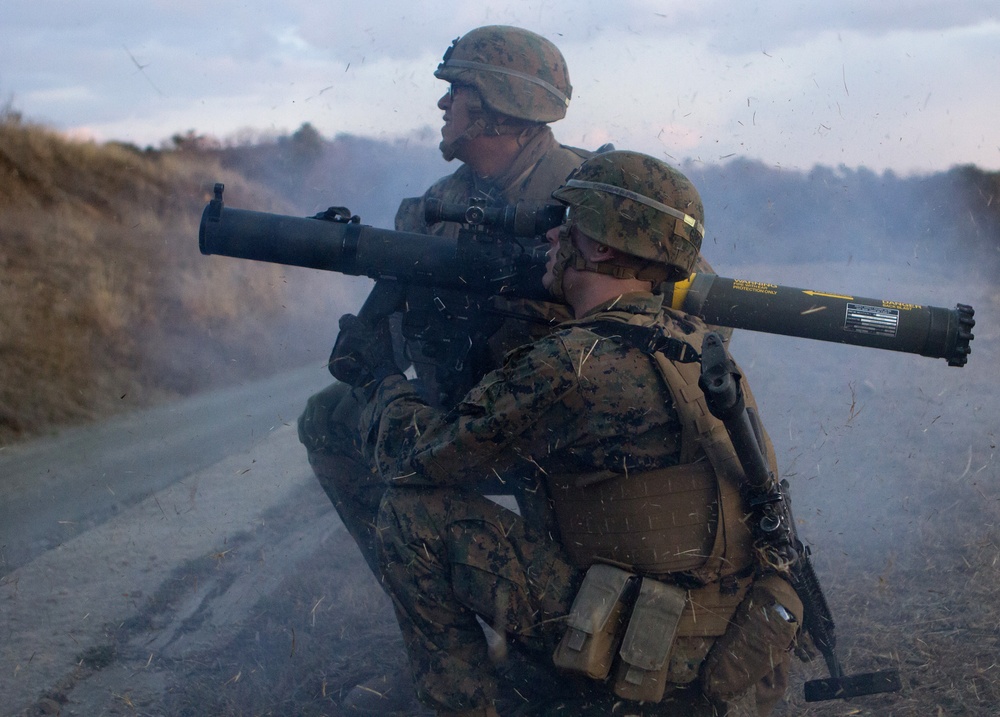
830 296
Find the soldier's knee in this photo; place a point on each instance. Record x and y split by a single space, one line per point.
399 512
325 425
413 515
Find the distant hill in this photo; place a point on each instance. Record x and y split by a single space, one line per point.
367 176
108 305
755 213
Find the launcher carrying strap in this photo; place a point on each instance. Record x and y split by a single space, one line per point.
648 339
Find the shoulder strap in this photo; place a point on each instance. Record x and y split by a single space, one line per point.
648 339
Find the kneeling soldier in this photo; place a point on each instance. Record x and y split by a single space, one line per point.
639 578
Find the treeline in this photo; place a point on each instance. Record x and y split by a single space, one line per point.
763 214
312 173
755 213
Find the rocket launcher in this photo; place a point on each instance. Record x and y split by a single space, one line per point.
498 252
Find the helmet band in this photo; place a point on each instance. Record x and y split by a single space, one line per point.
469 65
628 194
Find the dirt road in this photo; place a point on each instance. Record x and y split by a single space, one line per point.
144 542
185 562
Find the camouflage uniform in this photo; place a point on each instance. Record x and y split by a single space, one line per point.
571 403
333 447
523 83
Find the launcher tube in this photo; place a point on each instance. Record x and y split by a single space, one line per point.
805 313
487 264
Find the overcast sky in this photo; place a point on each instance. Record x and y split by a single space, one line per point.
902 85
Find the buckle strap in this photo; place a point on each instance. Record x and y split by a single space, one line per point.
648 339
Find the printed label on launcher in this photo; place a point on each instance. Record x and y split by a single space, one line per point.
873 320
758 287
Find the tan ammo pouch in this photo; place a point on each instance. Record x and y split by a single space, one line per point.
594 623
642 670
759 639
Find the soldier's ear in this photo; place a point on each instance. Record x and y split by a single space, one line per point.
594 252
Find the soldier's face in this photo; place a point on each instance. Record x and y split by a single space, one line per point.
456 104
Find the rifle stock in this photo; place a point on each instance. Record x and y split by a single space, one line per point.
498 252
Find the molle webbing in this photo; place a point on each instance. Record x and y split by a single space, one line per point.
704 436
727 570
654 522
686 520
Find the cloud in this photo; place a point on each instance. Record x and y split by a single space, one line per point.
737 28
787 81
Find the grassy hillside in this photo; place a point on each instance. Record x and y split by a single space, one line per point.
107 303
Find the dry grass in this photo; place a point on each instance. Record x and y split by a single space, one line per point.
933 615
108 304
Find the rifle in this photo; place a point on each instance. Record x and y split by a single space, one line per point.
773 527
497 252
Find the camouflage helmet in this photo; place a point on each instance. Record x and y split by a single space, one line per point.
640 206
516 72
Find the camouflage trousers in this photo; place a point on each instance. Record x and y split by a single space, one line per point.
449 556
328 428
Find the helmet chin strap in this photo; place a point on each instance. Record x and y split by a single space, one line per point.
487 123
450 150
569 256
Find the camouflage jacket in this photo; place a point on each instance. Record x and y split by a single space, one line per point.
451 338
571 402
540 169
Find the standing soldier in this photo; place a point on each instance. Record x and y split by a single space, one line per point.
645 583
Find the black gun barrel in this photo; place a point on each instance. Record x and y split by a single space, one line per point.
343 247
876 323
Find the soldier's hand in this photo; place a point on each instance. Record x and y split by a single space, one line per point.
362 354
